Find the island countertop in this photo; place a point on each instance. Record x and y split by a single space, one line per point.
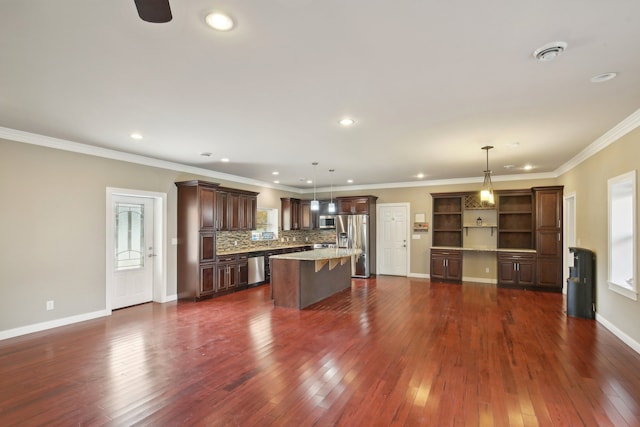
319 254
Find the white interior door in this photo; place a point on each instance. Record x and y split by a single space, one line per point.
133 245
393 239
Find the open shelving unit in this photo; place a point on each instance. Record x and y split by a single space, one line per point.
447 220
515 220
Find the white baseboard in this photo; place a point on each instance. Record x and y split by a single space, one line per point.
169 298
37 327
480 280
635 345
418 275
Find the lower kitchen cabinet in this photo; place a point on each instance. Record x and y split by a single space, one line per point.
517 270
232 272
207 281
446 265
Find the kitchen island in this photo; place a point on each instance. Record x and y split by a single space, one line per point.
303 278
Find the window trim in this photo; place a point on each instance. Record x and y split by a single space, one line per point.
631 291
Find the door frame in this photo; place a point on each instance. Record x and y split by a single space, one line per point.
569 230
159 244
379 234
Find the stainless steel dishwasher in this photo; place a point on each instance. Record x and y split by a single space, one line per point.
256 268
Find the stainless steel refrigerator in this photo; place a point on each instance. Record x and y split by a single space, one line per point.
356 232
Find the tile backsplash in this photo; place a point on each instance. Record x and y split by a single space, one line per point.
231 240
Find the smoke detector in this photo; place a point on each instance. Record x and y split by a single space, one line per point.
549 51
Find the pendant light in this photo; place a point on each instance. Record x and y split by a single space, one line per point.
332 206
486 194
315 204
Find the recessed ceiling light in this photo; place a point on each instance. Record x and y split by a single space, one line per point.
347 121
309 181
509 166
137 136
220 21
205 154
224 160
420 176
275 173
350 181
604 77
527 167
549 51
276 182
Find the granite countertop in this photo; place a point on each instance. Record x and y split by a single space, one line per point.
263 248
454 248
319 254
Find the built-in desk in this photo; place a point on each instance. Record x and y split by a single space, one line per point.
303 278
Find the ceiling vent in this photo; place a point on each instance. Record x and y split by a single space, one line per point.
549 51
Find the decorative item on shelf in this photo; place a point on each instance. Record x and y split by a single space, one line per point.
420 224
486 194
332 206
420 227
479 221
315 204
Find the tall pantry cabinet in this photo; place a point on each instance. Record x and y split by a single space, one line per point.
548 232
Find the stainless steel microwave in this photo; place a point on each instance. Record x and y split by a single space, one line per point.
327 221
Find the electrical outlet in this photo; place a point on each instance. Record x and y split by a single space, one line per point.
50 305
486 270
235 243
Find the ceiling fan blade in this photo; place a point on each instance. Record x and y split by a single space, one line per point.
156 11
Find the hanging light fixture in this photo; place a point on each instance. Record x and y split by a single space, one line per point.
315 204
486 194
332 206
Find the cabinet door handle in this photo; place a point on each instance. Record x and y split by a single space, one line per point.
558 237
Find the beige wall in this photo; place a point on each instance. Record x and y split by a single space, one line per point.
589 183
53 226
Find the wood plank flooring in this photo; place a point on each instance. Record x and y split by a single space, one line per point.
390 351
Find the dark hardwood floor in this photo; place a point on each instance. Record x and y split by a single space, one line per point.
390 351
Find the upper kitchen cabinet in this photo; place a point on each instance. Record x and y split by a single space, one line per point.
290 213
358 205
308 218
236 209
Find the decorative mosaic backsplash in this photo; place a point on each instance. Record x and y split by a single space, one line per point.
231 240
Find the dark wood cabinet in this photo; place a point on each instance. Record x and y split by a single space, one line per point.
204 208
447 219
446 265
359 205
308 218
196 239
290 213
548 236
517 269
236 209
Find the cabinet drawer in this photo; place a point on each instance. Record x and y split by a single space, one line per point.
516 256
226 258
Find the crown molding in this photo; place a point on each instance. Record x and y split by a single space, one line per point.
611 136
76 147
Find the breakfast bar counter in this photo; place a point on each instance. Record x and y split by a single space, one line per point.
303 278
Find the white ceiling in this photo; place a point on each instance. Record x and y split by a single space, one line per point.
428 83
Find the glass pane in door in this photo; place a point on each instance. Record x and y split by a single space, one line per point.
129 239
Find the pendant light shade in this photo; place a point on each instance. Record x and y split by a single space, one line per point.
332 206
486 194
315 204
